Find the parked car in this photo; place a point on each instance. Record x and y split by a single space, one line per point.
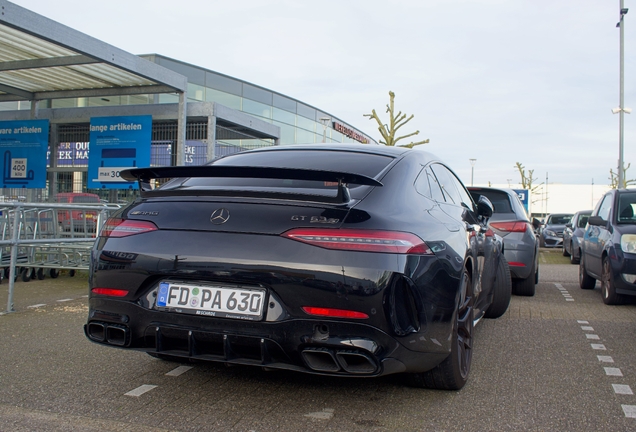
77 220
609 247
552 230
573 234
342 260
521 245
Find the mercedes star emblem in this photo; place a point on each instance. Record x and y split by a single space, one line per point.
220 216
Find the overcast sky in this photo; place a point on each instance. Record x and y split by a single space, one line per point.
501 81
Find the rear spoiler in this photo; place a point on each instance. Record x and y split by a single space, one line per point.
144 175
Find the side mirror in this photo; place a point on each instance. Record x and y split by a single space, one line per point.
568 225
597 221
536 223
485 208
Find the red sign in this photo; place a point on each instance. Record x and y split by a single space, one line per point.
350 133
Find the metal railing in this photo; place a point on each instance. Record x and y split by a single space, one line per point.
38 236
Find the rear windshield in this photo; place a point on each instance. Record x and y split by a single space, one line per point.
559 219
369 165
500 200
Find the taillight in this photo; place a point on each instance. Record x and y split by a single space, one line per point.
111 292
334 313
361 240
518 226
125 227
516 264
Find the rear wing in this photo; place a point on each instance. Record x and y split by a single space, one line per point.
145 175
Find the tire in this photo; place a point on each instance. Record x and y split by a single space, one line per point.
40 274
607 286
502 290
585 280
565 252
54 273
452 373
573 259
71 273
26 274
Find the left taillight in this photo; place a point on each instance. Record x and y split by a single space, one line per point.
115 227
516 226
361 240
110 292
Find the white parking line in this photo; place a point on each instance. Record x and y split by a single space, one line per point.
179 371
629 410
36 306
592 336
613 371
587 328
64 300
582 322
622 389
140 390
605 359
598 347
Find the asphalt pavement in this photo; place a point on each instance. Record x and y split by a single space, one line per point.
561 360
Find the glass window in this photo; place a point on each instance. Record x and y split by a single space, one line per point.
448 182
605 207
582 220
287 133
257 108
195 75
196 92
336 136
305 123
436 189
626 205
257 94
229 100
104 101
304 137
168 98
223 83
284 116
64 103
284 103
306 111
500 200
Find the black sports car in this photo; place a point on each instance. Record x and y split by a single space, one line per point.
352 260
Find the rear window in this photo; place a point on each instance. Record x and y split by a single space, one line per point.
500 200
626 208
85 199
369 165
559 219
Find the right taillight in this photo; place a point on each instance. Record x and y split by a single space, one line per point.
115 227
518 226
361 240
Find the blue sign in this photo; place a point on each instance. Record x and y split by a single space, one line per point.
23 146
523 195
116 144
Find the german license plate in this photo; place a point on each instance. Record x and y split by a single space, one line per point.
208 300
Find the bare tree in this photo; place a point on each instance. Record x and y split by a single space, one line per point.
614 178
396 121
527 180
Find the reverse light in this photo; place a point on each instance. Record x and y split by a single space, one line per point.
334 313
110 292
361 240
115 227
518 226
628 243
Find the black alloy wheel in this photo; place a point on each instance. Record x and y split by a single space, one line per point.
452 373
585 280
607 286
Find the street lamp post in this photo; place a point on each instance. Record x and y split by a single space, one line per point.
325 122
472 170
621 108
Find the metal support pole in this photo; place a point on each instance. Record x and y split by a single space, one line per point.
181 130
211 137
14 255
621 113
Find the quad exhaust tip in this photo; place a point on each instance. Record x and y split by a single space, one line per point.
112 334
326 360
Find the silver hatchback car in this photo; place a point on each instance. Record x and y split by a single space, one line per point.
521 245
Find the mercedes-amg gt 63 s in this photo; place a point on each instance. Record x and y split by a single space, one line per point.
342 260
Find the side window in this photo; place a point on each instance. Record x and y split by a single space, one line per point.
454 191
422 186
436 189
605 207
